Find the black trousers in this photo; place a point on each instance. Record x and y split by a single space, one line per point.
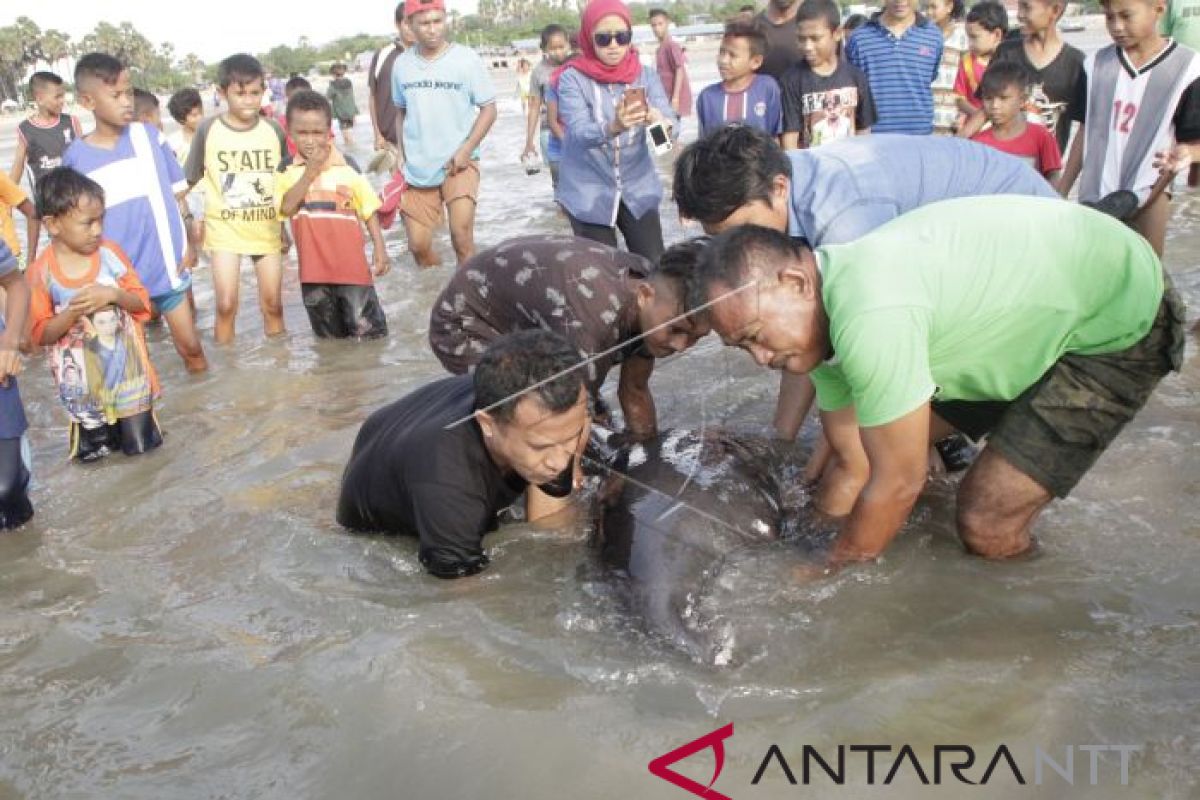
131 435
343 311
15 508
642 236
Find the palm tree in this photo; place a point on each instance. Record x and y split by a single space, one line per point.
193 66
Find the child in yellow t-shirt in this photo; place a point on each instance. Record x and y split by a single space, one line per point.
12 197
236 155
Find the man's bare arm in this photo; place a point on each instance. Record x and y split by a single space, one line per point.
897 453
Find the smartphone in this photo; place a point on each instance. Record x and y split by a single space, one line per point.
634 95
660 141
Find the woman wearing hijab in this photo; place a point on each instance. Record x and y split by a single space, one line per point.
607 179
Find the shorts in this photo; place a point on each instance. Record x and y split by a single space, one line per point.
346 124
344 311
1057 428
427 205
168 302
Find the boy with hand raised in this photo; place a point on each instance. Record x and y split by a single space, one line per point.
328 201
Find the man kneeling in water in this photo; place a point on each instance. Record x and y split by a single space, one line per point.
444 461
615 308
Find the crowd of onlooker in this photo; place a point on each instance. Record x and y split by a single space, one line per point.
128 210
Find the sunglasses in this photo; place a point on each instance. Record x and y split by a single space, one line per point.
605 38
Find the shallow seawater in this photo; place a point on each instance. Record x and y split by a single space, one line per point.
192 623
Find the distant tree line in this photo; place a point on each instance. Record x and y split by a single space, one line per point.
157 68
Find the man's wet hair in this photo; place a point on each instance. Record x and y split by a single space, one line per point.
550 31
61 189
97 67
143 103
41 81
728 258
516 361
658 12
753 34
183 102
825 11
239 68
989 15
729 168
999 77
295 84
308 100
678 263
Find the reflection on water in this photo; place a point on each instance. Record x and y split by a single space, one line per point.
192 623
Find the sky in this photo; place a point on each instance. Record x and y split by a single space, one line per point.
224 26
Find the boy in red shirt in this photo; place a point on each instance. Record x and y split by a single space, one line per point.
328 202
1005 91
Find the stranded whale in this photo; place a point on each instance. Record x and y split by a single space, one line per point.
672 511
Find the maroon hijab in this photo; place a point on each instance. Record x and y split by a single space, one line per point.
587 61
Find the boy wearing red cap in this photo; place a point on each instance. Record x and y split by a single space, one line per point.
445 105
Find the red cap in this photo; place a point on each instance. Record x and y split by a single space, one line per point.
417 6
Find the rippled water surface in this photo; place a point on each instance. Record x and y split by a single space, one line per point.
192 623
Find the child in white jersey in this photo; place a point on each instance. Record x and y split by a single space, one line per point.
1140 107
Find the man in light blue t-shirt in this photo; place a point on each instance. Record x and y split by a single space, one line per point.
445 105
834 194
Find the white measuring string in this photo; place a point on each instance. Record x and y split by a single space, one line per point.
602 354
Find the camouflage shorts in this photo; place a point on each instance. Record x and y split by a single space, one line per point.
1057 428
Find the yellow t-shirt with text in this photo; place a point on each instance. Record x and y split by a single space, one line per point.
237 170
11 196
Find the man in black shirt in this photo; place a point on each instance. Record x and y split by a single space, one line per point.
778 22
444 461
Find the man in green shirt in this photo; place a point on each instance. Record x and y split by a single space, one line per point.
1044 324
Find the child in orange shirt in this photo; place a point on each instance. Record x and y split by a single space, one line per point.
987 22
87 305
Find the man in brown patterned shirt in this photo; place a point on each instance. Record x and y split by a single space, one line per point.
600 299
